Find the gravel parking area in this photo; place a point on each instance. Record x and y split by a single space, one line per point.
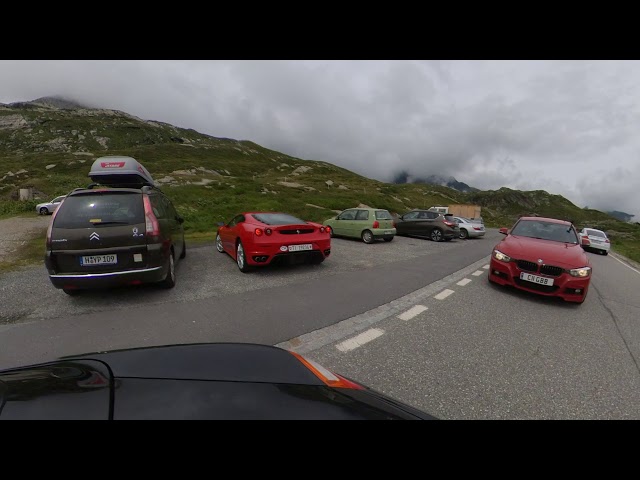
28 295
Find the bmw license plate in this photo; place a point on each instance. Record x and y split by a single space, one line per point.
536 279
300 248
88 260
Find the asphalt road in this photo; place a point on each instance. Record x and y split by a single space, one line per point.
462 348
214 302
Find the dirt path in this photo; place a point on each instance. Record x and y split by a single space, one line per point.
17 231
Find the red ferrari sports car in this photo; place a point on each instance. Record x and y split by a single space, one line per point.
542 255
264 238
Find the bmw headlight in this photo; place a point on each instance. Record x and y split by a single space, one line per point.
498 255
580 272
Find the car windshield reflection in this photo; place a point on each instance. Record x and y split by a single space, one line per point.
556 232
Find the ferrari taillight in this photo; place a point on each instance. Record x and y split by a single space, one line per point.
329 378
323 229
258 232
376 224
268 231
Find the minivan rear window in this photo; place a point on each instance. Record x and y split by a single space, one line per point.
97 209
383 215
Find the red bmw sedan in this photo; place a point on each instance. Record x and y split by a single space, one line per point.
264 238
544 256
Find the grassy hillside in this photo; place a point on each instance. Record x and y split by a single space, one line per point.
211 179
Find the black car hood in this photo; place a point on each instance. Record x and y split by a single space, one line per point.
232 362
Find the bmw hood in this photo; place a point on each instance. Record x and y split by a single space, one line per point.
565 255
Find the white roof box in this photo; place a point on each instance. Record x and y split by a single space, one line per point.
117 171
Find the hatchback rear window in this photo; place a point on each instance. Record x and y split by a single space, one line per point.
96 209
277 219
596 233
383 215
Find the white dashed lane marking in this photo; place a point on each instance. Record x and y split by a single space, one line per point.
443 294
477 273
359 340
412 312
463 282
485 267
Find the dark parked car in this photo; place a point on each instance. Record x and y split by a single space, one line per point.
124 231
216 381
427 224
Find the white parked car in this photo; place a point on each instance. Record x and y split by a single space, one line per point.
598 240
470 228
49 207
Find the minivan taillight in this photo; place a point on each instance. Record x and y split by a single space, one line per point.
50 227
376 224
150 220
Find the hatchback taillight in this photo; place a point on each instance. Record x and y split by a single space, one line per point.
376 224
451 224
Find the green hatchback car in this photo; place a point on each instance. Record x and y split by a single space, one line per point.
368 224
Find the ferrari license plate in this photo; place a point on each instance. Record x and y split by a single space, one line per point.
88 260
300 248
536 279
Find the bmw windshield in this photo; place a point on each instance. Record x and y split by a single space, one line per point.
540 229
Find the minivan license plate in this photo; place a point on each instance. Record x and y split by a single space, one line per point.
89 260
536 279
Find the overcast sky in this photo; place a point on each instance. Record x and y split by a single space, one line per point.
568 127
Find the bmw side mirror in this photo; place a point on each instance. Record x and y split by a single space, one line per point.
504 231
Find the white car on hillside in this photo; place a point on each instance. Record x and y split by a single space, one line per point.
598 240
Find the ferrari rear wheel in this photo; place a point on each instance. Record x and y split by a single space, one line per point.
219 246
241 259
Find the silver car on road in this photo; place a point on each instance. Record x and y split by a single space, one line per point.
47 208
